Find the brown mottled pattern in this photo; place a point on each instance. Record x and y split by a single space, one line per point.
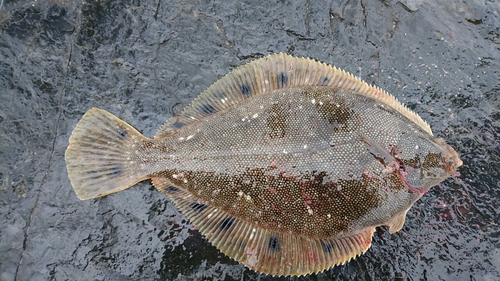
290 163
286 165
277 121
304 204
432 160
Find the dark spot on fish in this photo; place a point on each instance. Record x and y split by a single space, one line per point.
198 207
172 189
122 133
273 244
207 109
282 79
327 247
278 121
337 112
245 89
432 160
241 244
226 223
325 80
116 171
178 125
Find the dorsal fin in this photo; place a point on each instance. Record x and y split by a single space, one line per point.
265 250
267 74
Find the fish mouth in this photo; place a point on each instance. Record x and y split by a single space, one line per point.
449 157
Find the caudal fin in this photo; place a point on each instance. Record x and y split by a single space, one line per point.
98 157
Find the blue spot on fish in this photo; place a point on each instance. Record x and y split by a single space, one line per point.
273 245
226 223
245 89
325 81
122 133
207 109
116 171
282 79
327 247
178 125
171 188
198 207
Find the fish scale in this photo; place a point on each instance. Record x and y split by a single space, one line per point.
286 164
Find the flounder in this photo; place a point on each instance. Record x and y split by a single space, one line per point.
286 164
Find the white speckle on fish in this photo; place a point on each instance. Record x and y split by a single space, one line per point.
309 210
253 233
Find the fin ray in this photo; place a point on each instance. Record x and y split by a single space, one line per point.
277 71
396 223
96 155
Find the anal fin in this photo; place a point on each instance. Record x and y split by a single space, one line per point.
165 186
261 249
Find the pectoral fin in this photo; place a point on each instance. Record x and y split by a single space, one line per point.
397 222
381 154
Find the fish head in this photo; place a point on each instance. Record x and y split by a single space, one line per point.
439 162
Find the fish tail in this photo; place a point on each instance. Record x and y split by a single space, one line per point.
100 155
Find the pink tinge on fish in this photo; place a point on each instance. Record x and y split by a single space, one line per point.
286 164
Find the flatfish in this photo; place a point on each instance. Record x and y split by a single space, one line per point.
287 165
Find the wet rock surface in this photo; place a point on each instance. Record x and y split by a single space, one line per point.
145 61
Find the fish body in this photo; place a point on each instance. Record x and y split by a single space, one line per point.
286 164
